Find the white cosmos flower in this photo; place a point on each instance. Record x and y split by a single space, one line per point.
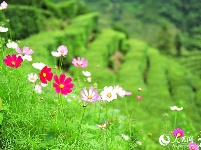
12 45
56 54
26 57
103 127
32 77
43 84
39 66
3 29
125 137
120 91
86 73
176 108
139 142
38 88
89 79
108 94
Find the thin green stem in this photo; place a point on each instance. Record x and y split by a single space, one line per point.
10 31
175 119
2 45
80 125
107 122
99 112
129 116
94 112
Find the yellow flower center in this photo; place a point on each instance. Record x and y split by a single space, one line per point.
33 78
79 64
103 126
62 51
61 86
13 63
44 74
89 97
109 95
178 134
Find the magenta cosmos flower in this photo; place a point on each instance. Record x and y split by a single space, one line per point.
90 96
45 75
178 133
82 63
193 146
62 84
13 61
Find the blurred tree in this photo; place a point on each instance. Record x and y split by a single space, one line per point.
164 41
178 44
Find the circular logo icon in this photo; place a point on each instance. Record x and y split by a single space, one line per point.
164 140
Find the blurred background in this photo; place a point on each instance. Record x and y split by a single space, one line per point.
150 44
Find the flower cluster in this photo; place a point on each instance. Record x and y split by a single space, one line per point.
15 61
25 53
62 84
110 93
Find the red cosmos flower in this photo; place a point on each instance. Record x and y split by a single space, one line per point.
13 61
45 74
62 84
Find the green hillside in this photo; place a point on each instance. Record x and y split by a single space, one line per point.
29 120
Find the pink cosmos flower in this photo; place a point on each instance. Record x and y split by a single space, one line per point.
178 133
139 98
62 84
46 75
120 91
80 62
90 96
4 5
193 146
103 127
13 61
25 51
128 93
61 51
